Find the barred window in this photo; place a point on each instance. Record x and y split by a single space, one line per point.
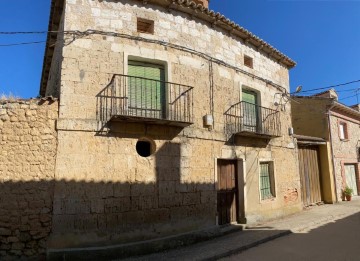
267 182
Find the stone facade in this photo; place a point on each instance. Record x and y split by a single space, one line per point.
345 151
27 165
105 193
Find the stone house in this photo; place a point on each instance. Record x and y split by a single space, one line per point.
329 130
172 120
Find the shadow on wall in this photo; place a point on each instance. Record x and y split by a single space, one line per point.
40 215
96 214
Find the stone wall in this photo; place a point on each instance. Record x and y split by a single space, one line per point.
309 116
345 151
28 142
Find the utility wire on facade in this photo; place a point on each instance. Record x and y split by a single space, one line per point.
78 34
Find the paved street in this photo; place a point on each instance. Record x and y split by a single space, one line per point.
318 233
339 240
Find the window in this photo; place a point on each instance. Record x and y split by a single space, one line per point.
267 182
145 147
146 89
145 26
343 132
248 61
250 110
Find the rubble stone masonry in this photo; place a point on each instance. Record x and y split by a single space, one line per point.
28 142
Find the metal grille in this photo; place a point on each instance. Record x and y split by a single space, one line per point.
266 190
145 98
251 118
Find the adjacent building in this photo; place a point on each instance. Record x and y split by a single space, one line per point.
329 142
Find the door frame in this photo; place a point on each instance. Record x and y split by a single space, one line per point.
241 188
357 172
308 189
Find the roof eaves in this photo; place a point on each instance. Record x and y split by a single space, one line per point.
260 44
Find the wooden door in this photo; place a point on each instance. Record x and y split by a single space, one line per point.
350 176
309 175
227 192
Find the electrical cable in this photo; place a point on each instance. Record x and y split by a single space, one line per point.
328 87
79 34
348 97
23 43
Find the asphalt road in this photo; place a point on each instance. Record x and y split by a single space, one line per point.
339 240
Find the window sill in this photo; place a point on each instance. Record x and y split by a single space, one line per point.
267 200
344 140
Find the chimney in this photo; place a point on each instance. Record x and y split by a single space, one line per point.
204 3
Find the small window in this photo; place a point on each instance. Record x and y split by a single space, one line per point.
343 132
145 26
145 147
248 61
267 182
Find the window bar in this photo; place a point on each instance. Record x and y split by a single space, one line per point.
178 113
170 108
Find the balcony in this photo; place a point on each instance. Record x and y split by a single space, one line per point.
137 99
247 119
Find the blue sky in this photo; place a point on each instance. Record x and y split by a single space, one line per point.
323 37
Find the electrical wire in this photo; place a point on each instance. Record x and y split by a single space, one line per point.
78 34
348 97
23 43
328 87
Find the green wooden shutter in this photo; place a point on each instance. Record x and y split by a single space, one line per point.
249 110
248 96
146 87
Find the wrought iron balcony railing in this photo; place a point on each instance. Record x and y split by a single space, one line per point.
248 119
129 98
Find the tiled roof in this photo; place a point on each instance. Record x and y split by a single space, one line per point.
219 19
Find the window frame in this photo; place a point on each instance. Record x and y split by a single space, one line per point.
272 180
248 61
142 23
130 59
343 129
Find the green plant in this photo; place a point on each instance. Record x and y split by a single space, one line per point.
348 191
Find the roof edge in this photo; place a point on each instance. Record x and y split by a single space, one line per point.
197 10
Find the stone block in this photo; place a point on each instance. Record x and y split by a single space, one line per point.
17 246
97 206
85 222
191 198
170 200
208 197
133 217
148 202
5 232
63 223
157 216
121 190
166 187
142 189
